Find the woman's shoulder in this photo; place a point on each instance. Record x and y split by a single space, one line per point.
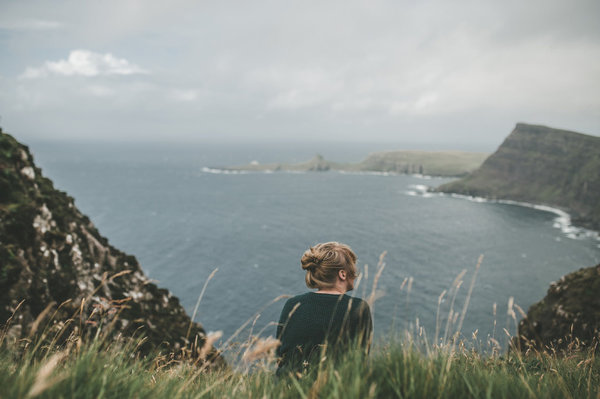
297 299
359 305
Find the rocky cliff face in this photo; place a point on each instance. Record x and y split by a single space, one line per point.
545 166
570 310
67 275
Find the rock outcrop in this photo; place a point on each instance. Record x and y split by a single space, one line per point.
58 274
541 165
568 317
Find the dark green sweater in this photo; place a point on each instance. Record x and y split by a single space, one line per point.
337 320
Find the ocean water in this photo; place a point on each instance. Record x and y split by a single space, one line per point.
182 221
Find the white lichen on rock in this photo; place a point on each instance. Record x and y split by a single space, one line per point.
43 220
76 255
28 172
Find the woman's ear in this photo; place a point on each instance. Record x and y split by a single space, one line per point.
342 275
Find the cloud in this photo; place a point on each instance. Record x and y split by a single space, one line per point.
30 24
84 63
183 95
347 69
100 91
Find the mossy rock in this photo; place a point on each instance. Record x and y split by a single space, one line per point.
568 317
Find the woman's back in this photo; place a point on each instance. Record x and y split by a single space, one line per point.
326 319
313 319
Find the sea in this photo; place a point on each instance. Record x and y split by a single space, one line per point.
239 237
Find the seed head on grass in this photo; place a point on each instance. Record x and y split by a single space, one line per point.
43 379
211 338
263 348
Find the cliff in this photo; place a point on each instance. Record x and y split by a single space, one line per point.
434 163
570 310
542 165
67 275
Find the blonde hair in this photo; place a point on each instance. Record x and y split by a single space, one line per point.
323 261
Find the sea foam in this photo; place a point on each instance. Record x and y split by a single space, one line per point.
562 221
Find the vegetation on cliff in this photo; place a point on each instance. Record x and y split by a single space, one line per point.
59 276
434 163
568 315
541 165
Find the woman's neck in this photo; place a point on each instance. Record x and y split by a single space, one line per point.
331 291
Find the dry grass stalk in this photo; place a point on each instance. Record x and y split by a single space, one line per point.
245 324
262 348
211 338
456 284
403 283
468 299
42 379
8 322
119 274
437 317
212 274
380 267
316 387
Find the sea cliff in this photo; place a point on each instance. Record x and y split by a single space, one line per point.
541 165
59 275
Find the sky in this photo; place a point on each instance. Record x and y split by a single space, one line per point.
453 74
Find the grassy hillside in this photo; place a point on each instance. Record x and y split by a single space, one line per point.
542 165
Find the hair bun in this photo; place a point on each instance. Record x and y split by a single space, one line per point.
310 266
309 261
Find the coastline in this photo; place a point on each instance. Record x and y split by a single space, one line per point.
562 221
226 171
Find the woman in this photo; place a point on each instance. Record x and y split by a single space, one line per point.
328 319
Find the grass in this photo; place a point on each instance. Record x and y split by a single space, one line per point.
405 366
397 369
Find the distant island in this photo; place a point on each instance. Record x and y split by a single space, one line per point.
433 163
541 165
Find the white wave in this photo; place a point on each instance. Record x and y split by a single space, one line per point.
223 171
424 177
562 221
420 190
376 173
366 173
419 187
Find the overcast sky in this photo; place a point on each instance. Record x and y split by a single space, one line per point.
453 73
